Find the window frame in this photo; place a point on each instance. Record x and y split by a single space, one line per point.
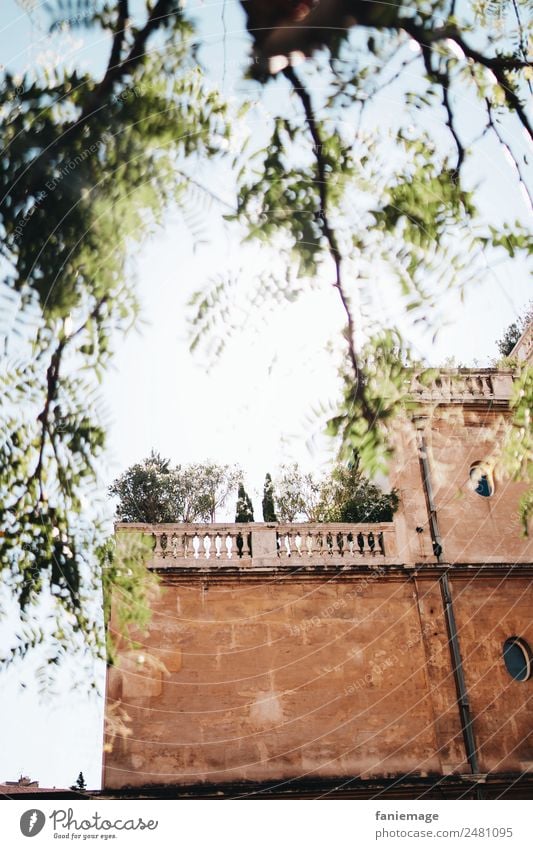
527 655
484 470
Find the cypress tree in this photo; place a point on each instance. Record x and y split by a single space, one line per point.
80 783
245 510
269 510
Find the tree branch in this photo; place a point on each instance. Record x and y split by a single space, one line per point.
451 125
497 64
329 232
115 72
52 385
278 32
492 126
52 381
119 36
443 80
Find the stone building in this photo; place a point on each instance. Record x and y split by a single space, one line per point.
357 660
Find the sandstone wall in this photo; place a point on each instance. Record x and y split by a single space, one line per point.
473 529
325 676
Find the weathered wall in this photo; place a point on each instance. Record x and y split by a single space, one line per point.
473 529
326 676
277 679
488 611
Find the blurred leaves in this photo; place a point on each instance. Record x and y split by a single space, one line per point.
516 458
128 588
88 169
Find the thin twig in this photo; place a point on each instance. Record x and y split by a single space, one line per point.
492 126
206 190
497 64
405 64
522 41
443 80
451 126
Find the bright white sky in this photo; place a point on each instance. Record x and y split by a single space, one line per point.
257 406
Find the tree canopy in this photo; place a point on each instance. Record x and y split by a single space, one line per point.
514 331
153 491
342 495
348 496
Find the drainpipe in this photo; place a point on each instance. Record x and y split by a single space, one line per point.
460 684
449 615
428 491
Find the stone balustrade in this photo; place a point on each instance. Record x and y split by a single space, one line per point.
202 542
465 385
322 541
257 545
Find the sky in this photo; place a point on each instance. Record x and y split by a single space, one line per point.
259 405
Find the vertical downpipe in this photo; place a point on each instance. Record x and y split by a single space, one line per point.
449 615
460 684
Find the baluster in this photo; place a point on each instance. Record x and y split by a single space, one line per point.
319 542
229 545
361 542
371 542
340 543
287 541
349 539
240 544
186 546
298 543
174 545
329 542
218 545
157 545
381 543
163 542
278 544
207 546
196 545
309 544
249 543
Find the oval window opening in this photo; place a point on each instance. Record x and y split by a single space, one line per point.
517 658
481 480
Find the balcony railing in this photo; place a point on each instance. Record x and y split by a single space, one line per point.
257 545
327 541
465 385
202 542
